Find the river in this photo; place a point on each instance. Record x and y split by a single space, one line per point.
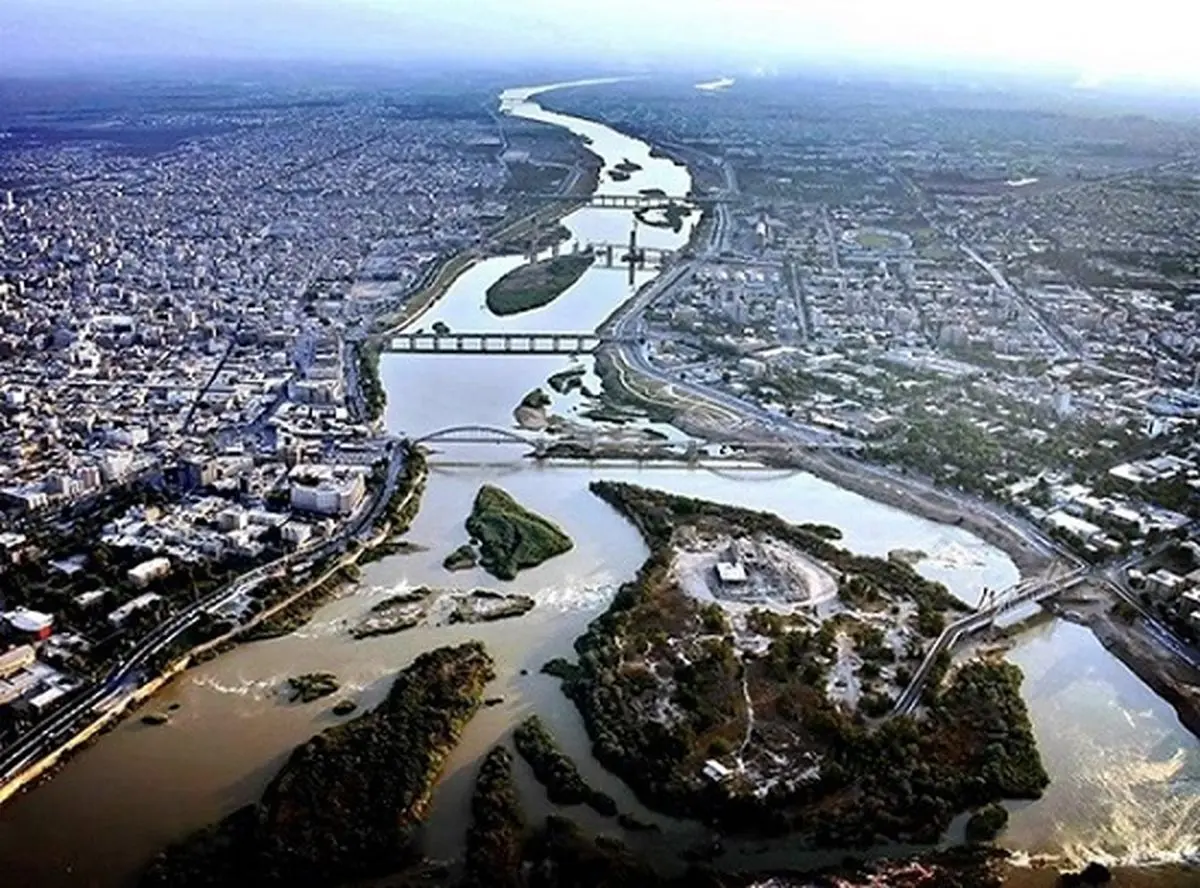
1125 772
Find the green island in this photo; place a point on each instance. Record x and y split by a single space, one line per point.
511 538
536 400
347 803
674 214
773 742
555 770
311 686
462 558
567 380
496 836
987 823
536 284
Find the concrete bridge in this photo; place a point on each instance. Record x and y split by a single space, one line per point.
1027 591
497 343
627 201
612 255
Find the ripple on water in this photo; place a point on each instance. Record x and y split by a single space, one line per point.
1125 774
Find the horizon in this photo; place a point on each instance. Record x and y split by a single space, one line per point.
1107 48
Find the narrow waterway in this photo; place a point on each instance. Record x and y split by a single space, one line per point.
1125 773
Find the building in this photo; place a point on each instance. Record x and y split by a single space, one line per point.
731 573
149 571
1164 583
121 614
716 772
325 490
16 660
295 533
30 624
233 518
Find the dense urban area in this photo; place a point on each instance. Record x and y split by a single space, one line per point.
980 306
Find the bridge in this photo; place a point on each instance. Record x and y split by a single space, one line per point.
1027 591
626 201
497 343
592 444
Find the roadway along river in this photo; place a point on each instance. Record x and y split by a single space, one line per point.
1125 773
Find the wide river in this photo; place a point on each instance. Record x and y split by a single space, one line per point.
1125 773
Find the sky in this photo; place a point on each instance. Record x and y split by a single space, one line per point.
1151 41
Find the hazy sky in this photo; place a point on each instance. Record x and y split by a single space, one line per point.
1148 39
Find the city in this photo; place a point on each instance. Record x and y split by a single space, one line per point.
227 424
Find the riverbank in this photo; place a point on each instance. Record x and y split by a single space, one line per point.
708 421
280 617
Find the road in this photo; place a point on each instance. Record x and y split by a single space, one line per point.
50 734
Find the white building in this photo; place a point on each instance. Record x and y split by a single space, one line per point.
295 533
326 490
121 614
148 571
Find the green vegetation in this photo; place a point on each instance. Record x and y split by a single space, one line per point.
566 380
370 382
311 686
902 779
673 215
560 668
511 538
346 804
985 824
555 771
536 284
344 707
494 841
462 558
536 400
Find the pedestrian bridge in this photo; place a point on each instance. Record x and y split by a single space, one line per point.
992 606
496 343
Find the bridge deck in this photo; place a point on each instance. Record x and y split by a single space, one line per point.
495 343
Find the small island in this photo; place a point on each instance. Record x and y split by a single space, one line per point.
555 771
624 170
485 606
673 213
346 805
462 558
497 833
511 538
536 284
394 614
311 686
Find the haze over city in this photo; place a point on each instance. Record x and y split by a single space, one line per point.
1147 42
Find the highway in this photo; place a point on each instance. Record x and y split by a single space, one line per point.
50 734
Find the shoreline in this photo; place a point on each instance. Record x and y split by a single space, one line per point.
46 767
1172 681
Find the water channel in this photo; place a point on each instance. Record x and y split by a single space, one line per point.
1125 773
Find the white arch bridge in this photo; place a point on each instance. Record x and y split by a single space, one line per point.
692 448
